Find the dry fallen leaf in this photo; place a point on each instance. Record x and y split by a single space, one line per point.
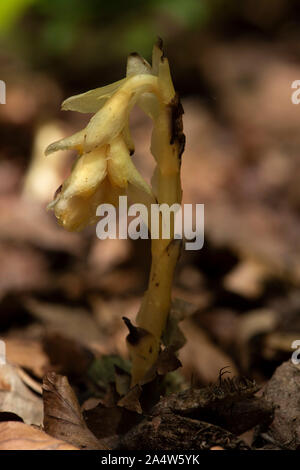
24 267
62 415
131 400
201 357
35 227
247 278
68 356
20 436
76 322
27 353
16 398
44 175
250 324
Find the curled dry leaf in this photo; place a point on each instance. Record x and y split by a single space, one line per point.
16 398
62 415
20 436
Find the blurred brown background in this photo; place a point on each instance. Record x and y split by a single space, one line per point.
233 64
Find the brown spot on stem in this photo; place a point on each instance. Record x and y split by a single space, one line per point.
177 135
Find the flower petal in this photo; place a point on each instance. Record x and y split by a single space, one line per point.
118 163
109 121
121 170
77 212
76 204
137 65
88 172
75 141
93 100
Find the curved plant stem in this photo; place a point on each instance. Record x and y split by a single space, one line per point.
167 147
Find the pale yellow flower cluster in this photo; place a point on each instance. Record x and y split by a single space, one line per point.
104 169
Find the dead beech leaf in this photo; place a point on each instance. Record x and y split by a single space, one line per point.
200 356
69 356
250 324
247 278
277 342
131 400
25 269
29 381
27 353
77 322
107 422
16 212
107 254
20 436
62 415
16 398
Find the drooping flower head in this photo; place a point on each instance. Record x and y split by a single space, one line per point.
104 169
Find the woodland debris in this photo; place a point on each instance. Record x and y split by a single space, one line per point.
229 403
16 398
201 357
283 391
20 436
69 356
62 415
28 354
170 432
